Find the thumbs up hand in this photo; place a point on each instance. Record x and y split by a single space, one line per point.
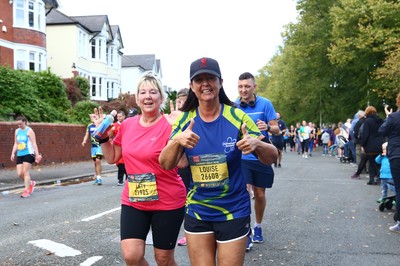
188 138
247 144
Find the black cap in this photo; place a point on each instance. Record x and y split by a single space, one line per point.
132 112
205 65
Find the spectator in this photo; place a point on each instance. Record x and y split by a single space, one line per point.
325 141
391 129
372 141
385 174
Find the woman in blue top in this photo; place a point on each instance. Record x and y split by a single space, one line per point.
213 134
27 152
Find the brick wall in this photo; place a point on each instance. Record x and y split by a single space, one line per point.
56 142
6 57
31 37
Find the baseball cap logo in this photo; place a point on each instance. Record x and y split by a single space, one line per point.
203 63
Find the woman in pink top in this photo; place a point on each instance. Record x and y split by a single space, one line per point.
152 197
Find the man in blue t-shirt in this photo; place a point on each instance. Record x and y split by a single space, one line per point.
258 176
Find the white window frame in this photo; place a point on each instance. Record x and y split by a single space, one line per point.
26 8
26 56
83 46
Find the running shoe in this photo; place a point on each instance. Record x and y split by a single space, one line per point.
249 244
98 181
25 194
395 228
182 242
258 238
32 187
120 183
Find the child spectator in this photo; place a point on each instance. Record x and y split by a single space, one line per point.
385 174
325 140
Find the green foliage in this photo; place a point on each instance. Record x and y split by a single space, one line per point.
52 91
171 96
84 85
40 96
340 56
80 113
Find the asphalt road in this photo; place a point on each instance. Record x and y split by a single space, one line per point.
316 215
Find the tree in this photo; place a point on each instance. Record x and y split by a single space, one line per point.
366 39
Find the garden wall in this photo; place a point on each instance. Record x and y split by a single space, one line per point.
57 143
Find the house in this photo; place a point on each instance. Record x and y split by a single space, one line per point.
23 33
133 66
35 36
87 46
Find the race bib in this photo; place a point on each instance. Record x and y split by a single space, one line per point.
209 170
142 187
21 146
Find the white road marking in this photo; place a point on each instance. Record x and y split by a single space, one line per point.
100 214
58 249
91 261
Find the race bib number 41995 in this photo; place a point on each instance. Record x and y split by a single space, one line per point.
142 187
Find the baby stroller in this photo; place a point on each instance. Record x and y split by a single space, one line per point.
332 150
388 203
342 141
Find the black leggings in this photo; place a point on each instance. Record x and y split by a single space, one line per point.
362 163
395 170
372 167
122 173
304 145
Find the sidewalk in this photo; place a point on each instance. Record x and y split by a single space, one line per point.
49 174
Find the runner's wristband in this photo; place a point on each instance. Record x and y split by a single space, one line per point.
101 141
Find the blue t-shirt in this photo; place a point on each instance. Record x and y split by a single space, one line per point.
262 110
92 128
218 189
385 166
24 146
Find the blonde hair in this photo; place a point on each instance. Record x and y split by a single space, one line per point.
151 79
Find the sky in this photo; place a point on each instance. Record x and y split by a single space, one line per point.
242 35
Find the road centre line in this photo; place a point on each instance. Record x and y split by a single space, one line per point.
91 261
58 249
100 214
